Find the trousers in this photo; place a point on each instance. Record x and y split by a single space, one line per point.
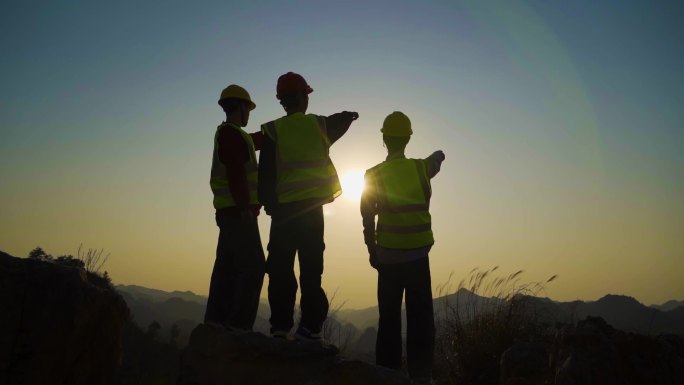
238 274
300 234
413 279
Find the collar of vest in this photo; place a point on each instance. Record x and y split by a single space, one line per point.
394 157
230 124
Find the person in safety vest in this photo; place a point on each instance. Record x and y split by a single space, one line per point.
238 273
296 178
398 192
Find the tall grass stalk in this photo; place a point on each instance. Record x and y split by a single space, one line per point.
484 316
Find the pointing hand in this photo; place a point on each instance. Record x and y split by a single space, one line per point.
353 115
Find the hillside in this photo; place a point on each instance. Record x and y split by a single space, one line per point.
186 310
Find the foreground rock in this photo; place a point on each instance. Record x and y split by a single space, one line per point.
58 325
216 356
593 352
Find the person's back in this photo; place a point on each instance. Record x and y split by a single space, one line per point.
238 272
304 170
398 192
296 178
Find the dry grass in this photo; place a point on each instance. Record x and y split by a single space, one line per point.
335 332
484 316
93 259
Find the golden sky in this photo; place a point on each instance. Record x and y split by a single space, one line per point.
561 125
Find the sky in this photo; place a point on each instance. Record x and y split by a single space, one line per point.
561 122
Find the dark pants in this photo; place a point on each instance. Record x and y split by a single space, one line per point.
237 276
302 234
413 278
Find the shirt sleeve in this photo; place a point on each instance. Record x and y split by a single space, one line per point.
337 125
233 153
433 163
257 138
267 174
369 209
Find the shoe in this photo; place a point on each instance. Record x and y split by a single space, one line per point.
304 334
279 334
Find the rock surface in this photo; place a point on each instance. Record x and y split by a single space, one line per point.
217 356
524 363
58 325
595 353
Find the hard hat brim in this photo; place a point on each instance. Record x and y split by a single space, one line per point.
250 103
307 90
384 132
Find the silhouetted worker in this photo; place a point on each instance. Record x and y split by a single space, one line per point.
398 191
296 178
238 273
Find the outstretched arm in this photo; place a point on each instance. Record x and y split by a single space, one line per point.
338 124
434 162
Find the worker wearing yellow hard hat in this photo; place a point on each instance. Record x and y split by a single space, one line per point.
398 192
238 273
296 178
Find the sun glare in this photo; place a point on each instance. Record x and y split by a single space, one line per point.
352 184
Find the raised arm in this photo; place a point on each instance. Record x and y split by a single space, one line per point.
338 124
434 162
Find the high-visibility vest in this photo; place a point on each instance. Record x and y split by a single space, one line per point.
403 191
219 180
303 166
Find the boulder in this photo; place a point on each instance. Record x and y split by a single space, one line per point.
58 324
216 356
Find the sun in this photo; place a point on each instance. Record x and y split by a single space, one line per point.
352 184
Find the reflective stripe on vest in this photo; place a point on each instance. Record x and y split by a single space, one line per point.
303 166
403 190
223 198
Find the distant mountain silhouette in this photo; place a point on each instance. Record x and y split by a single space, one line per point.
623 312
183 308
669 305
186 309
155 295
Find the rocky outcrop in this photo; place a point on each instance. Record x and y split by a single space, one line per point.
216 356
58 325
595 353
525 363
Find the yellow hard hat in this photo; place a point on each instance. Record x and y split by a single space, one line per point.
397 124
234 91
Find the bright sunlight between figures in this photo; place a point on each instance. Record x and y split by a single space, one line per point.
352 184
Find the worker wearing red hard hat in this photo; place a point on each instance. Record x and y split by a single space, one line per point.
398 192
238 273
296 178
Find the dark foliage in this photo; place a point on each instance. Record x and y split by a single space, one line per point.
147 357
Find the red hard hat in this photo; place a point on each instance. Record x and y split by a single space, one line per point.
291 82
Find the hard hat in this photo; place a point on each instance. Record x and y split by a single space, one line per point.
291 82
234 91
397 124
